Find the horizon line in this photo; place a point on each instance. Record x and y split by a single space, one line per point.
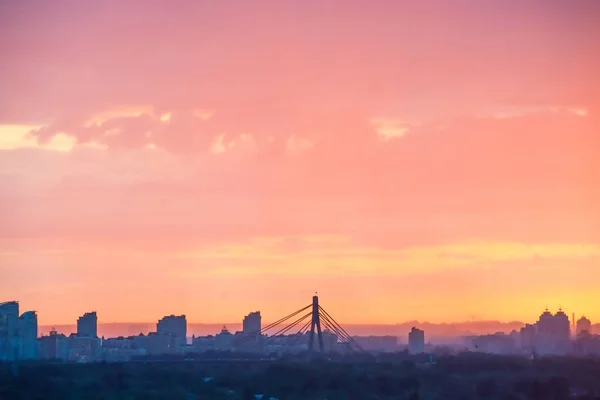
346 323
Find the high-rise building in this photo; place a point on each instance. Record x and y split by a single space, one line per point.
252 323
416 341
173 326
562 326
55 346
9 330
9 316
528 337
583 325
556 326
171 332
553 333
28 335
87 325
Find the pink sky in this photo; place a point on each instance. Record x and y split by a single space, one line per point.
431 160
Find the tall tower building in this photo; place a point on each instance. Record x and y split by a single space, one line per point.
416 341
173 329
87 325
9 330
85 346
553 333
28 335
252 323
562 326
9 316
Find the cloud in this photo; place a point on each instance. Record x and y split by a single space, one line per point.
102 117
219 146
289 83
518 179
339 255
18 136
389 128
203 115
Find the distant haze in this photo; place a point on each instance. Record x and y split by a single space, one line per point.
433 331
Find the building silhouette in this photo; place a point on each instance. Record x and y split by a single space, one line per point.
551 334
252 323
527 337
87 325
416 341
28 336
9 315
556 325
9 330
587 344
54 346
583 325
173 326
85 346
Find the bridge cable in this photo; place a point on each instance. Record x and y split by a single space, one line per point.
329 317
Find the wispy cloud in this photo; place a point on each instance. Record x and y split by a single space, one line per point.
304 256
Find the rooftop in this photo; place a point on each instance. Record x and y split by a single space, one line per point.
29 314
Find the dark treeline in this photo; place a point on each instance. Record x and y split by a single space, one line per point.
465 376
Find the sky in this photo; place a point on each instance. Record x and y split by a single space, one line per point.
430 160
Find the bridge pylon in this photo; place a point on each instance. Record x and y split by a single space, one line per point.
315 324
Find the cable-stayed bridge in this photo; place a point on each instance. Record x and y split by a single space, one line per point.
312 319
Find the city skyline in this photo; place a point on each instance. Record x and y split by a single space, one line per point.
551 333
308 329
241 322
406 160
